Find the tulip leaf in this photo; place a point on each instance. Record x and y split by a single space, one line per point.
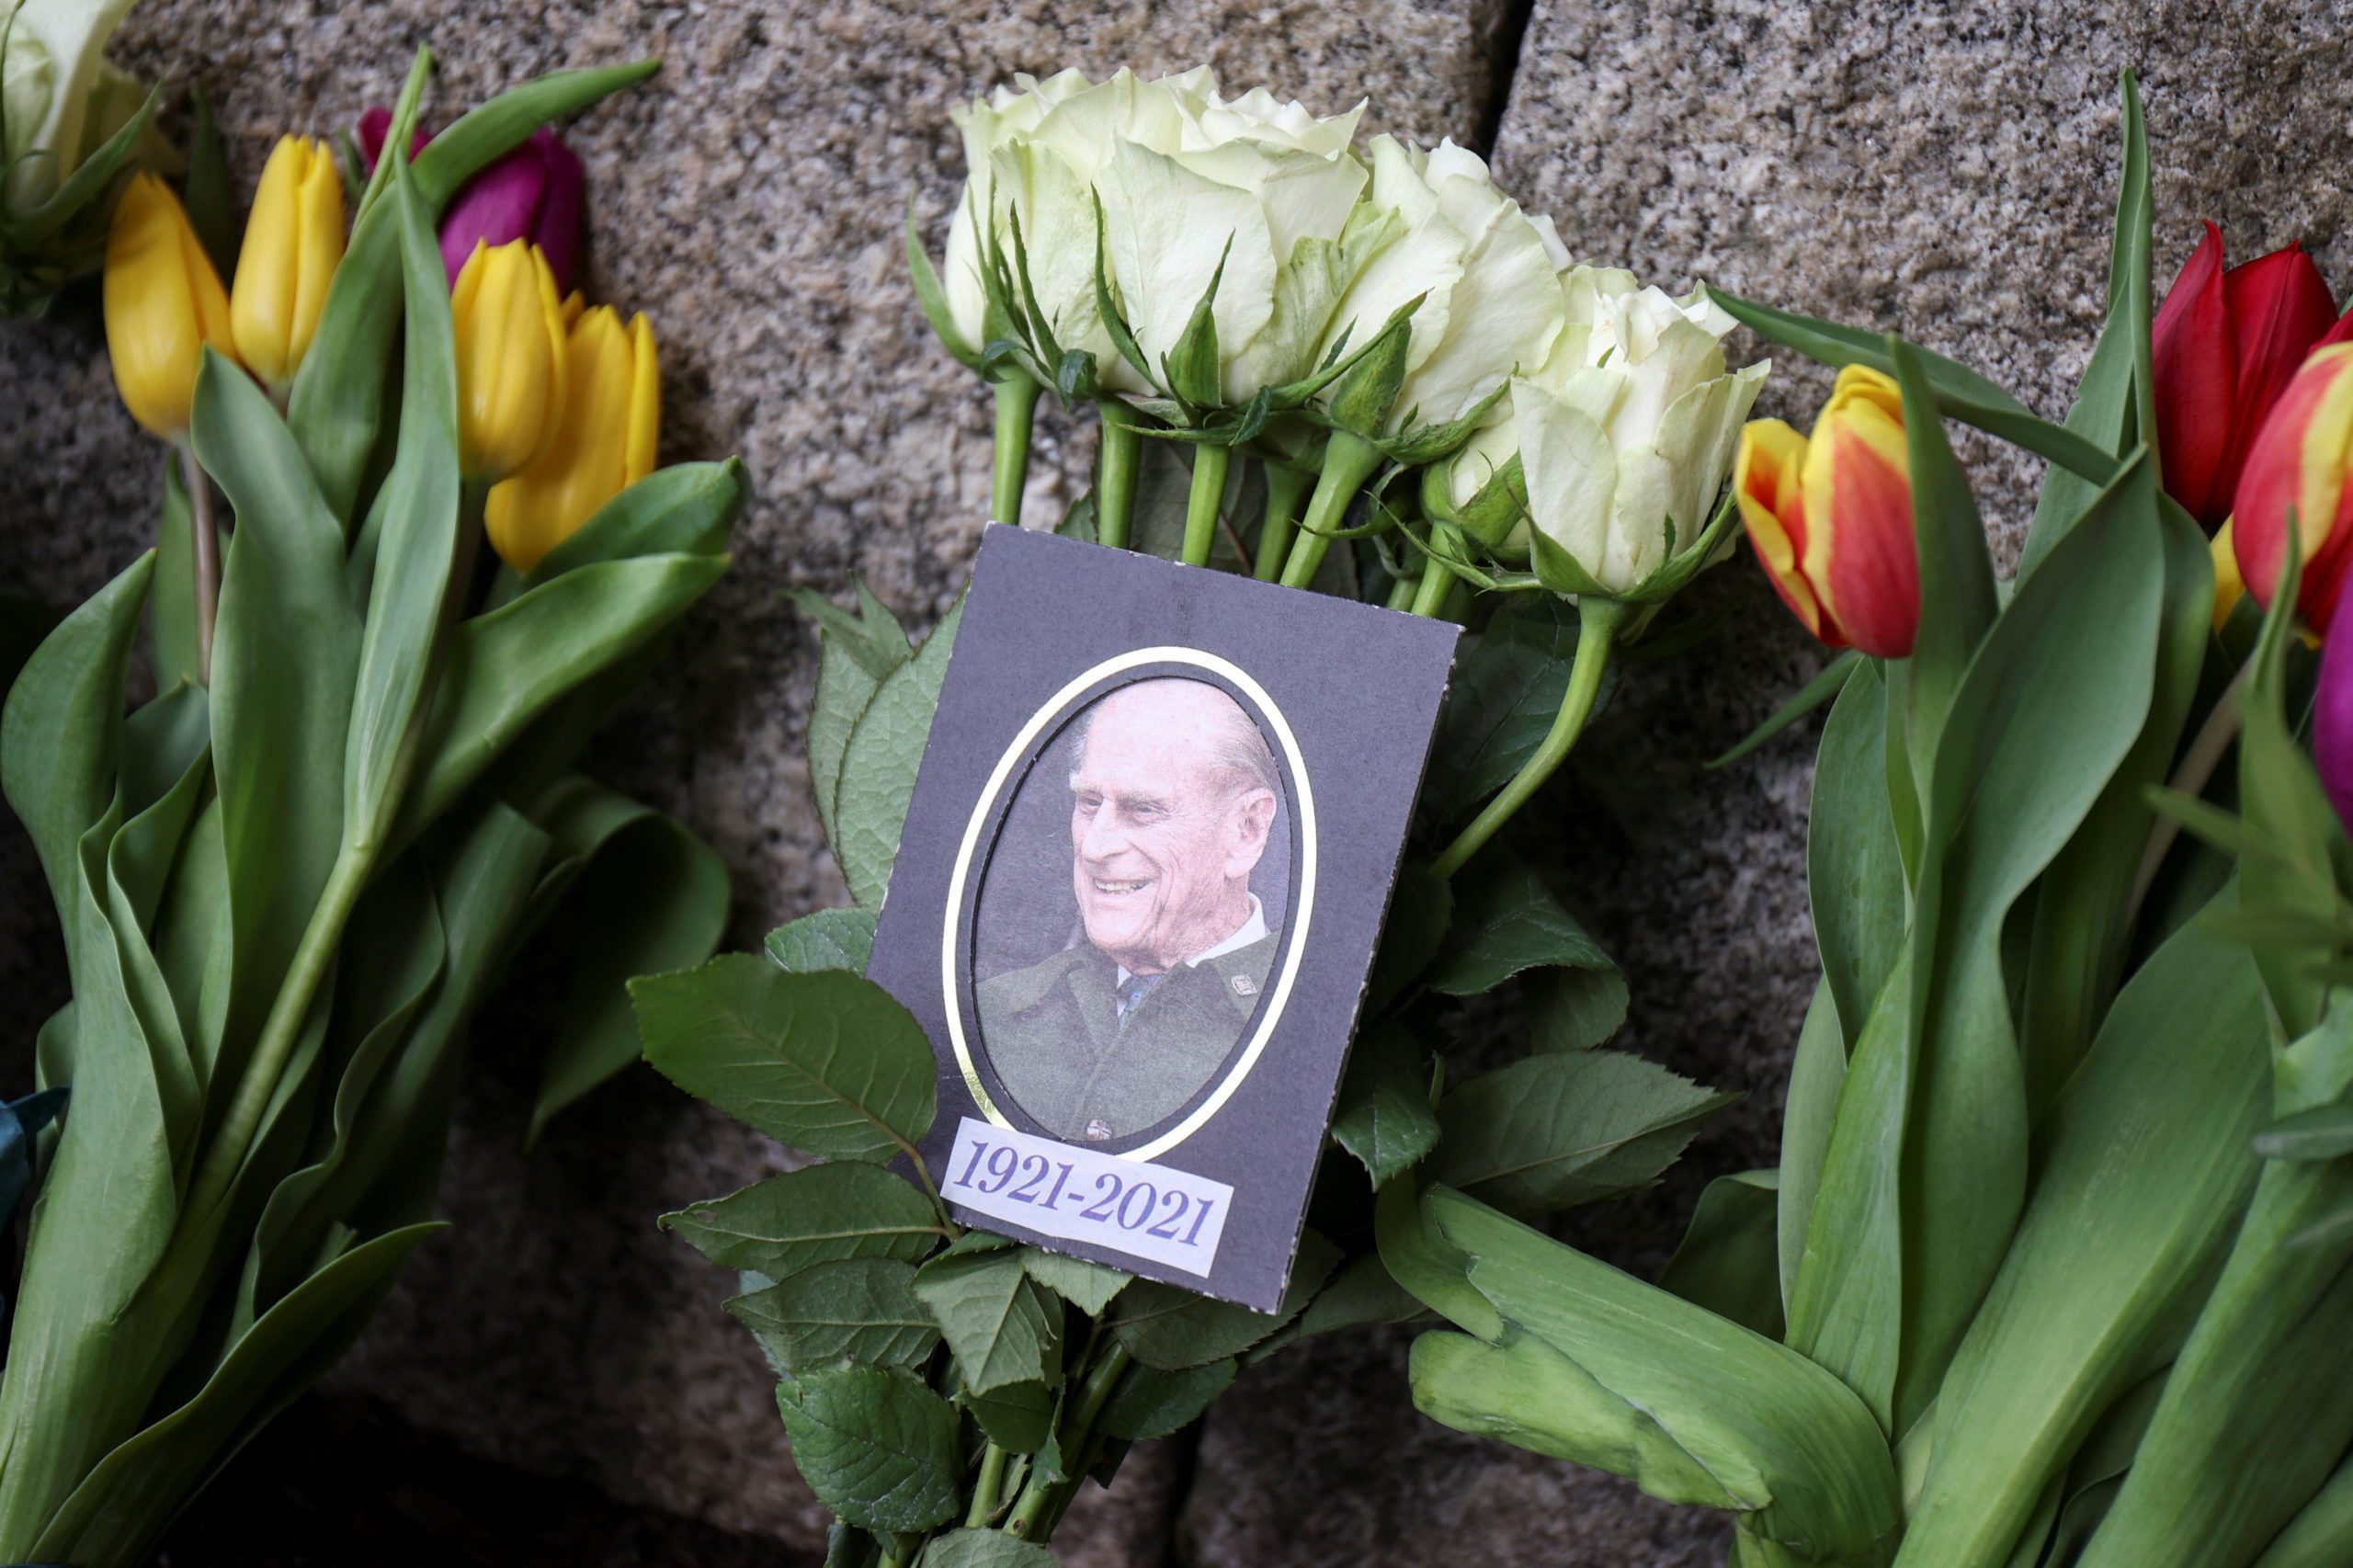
1817 1074
211 209
1729 1261
684 509
1854 867
337 407
2143 1173
279 723
877 1448
2323 1133
826 1063
2321 1535
277 1359
416 541
830 939
1957 599
853 1309
879 761
1383 1116
1826 684
1002 1326
2103 412
1914 1211
61 731
174 650
650 897
792 1222
1567 1355
507 668
1565 1128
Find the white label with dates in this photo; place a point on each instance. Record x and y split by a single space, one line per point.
1068 1190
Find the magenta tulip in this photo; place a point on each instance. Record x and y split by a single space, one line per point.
534 193
374 126
2332 725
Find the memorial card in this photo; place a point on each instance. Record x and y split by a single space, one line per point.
1145 865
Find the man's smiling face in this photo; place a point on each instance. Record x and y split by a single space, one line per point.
1163 836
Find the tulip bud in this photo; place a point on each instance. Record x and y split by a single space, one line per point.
292 242
2300 465
2224 348
510 343
163 303
1830 516
612 416
375 124
2229 588
534 193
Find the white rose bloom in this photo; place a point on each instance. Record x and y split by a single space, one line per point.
1629 424
1184 177
1436 226
58 96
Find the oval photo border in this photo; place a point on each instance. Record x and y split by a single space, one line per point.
985 811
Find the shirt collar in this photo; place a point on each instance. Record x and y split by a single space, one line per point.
1251 930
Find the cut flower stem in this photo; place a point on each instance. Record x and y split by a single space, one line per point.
1348 461
1287 489
1202 502
1017 409
1115 475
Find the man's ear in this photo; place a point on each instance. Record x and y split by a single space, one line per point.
1253 819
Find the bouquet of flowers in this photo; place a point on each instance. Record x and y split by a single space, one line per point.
1382 351
287 882
2054 1266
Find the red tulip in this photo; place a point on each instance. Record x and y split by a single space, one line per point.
2301 468
2225 344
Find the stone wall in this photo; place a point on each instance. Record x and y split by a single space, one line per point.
1944 168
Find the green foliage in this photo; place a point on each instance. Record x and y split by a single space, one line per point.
854 1309
1002 1326
877 1447
807 1216
879 762
1565 1128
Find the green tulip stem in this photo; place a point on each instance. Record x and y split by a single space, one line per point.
1203 501
205 557
2206 752
1598 620
1437 581
1287 489
1017 408
1348 461
1116 463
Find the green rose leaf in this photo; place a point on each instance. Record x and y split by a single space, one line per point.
1384 1117
1018 1418
1361 1294
985 1549
1561 1129
879 764
859 652
1575 1009
831 938
1089 1287
855 1309
1508 687
1505 920
786 1223
826 1062
1149 1402
1002 1325
1176 1330
877 1447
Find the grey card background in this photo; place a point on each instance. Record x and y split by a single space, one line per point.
1359 687
1028 909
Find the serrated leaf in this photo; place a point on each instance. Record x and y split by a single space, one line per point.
856 653
1149 1402
1561 1129
1505 920
1575 1009
1089 1287
1002 1326
791 1221
1384 1117
879 761
828 1062
877 1447
1419 912
831 938
1018 1418
1361 1294
855 1309
1174 1330
985 1549
1508 685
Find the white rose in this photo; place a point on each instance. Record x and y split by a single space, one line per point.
1488 273
58 96
1628 425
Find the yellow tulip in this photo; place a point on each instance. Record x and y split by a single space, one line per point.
612 419
164 304
292 242
510 359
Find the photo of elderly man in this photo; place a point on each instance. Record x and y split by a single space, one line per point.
1172 795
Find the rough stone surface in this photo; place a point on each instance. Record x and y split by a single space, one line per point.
1947 169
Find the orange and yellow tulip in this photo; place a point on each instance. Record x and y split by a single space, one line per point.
1830 516
2301 466
612 420
163 303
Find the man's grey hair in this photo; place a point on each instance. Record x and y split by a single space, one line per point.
1239 753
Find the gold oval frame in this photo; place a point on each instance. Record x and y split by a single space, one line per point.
1303 908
